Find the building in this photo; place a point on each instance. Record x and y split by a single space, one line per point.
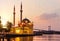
24 27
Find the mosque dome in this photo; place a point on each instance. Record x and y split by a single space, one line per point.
26 20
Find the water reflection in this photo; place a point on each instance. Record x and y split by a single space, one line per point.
50 37
33 38
20 39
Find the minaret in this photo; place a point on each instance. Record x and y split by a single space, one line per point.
14 16
21 13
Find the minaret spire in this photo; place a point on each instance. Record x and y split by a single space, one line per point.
14 16
21 12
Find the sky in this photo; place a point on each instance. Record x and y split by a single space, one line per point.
42 13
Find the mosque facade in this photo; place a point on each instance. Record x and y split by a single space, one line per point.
24 27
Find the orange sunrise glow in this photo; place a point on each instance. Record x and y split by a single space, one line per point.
46 11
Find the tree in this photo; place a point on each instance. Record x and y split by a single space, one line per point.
9 25
0 25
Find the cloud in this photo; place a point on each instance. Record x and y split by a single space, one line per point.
47 19
49 16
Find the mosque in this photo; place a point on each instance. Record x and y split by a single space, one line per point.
24 27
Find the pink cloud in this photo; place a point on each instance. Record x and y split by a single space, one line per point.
44 20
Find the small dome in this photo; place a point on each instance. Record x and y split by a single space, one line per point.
26 20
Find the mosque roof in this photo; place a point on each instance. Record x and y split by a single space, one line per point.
25 19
